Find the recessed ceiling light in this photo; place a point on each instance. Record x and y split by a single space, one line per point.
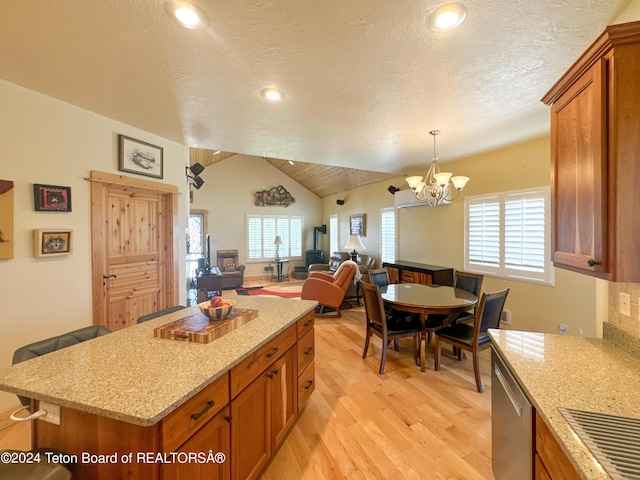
272 94
447 17
216 152
291 162
188 14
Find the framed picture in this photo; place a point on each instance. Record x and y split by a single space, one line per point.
52 242
357 224
135 156
51 198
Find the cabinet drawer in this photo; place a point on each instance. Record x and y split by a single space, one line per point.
407 277
305 324
551 454
180 424
252 366
306 384
306 350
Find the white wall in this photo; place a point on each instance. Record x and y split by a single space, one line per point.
228 194
43 140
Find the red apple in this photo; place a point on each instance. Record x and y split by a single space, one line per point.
216 302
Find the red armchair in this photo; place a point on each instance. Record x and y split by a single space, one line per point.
329 290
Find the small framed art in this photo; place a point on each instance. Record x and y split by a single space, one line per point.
357 224
52 242
51 198
136 156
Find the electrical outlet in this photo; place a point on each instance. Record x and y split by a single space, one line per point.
53 413
505 317
624 304
563 329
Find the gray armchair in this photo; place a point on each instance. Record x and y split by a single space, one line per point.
230 269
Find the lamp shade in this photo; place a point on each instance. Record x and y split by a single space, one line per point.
278 240
354 243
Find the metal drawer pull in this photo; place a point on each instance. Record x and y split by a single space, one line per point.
273 373
308 322
308 385
308 351
592 262
209 404
275 350
516 405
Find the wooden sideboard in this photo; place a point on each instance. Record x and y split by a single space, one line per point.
412 272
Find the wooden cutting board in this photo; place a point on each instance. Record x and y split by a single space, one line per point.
199 328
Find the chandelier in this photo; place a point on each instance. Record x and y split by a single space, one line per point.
435 187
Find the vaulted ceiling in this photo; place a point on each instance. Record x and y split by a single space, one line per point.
365 80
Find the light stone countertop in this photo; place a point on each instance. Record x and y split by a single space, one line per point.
574 372
132 376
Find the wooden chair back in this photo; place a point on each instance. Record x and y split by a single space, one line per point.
373 306
378 276
470 282
488 313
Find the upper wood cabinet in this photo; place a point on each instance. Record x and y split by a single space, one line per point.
595 164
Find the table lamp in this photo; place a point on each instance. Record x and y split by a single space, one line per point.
277 242
354 243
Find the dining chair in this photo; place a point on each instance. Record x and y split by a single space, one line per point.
378 276
473 338
387 327
472 283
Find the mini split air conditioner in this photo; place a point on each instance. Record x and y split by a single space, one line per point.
406 199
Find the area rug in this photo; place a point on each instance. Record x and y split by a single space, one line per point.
287 290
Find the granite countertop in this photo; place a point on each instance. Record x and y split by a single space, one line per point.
132 376
598 375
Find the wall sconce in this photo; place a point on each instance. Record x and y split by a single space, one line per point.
196 169
392 190
340 202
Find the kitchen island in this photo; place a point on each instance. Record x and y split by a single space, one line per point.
596 375
130 393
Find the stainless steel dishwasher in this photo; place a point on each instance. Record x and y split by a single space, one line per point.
511 425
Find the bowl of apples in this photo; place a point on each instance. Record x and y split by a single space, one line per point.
217 308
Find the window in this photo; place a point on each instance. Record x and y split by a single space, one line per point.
507 235
388 234
334 242
262 231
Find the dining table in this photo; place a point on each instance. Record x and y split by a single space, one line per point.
425 300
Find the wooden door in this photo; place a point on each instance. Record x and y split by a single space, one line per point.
579 174
284 395
134 250
215 436
251 429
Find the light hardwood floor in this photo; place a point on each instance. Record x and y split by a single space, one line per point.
360 425
402 425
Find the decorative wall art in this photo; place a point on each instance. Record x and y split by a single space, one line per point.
6 219
51 198
136 156
274 196
357 225
52 242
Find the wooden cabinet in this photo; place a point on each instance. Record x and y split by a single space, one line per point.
551 463
410 272
215 436
595 140
265 396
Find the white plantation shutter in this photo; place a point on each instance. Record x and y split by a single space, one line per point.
484 231
333 234
388 235
507 235
262 231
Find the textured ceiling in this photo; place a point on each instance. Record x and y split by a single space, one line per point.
365 80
